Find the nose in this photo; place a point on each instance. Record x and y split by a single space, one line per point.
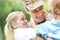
40 13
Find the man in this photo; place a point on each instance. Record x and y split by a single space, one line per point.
36 10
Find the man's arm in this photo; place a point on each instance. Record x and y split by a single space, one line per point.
39 38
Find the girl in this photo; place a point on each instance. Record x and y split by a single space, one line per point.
17 27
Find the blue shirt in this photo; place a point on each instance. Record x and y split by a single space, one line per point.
49 28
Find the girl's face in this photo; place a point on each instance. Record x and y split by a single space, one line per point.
21 21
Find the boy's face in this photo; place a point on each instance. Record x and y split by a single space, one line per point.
38 14
55 9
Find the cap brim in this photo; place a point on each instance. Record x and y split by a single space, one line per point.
35 5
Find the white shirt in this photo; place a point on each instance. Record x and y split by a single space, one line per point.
24 34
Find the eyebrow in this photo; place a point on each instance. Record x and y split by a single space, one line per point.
34 10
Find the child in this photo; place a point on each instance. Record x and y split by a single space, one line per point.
17 27
50 30
54 31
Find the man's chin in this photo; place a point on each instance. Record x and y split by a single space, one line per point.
39 21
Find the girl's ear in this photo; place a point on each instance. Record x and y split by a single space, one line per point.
14 25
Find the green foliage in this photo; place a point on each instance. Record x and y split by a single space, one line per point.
7 6
46 5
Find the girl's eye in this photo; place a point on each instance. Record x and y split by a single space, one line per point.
22 19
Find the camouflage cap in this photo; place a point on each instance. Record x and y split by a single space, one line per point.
33 4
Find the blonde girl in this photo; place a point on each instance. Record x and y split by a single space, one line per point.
10 20
16 21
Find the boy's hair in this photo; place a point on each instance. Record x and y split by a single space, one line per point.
55 5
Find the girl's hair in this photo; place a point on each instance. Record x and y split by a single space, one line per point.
12 17
55 5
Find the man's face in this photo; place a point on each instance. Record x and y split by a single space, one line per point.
38 14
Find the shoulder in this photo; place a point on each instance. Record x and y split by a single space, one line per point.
41 28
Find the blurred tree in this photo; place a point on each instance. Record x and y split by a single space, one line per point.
7 6
46 5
